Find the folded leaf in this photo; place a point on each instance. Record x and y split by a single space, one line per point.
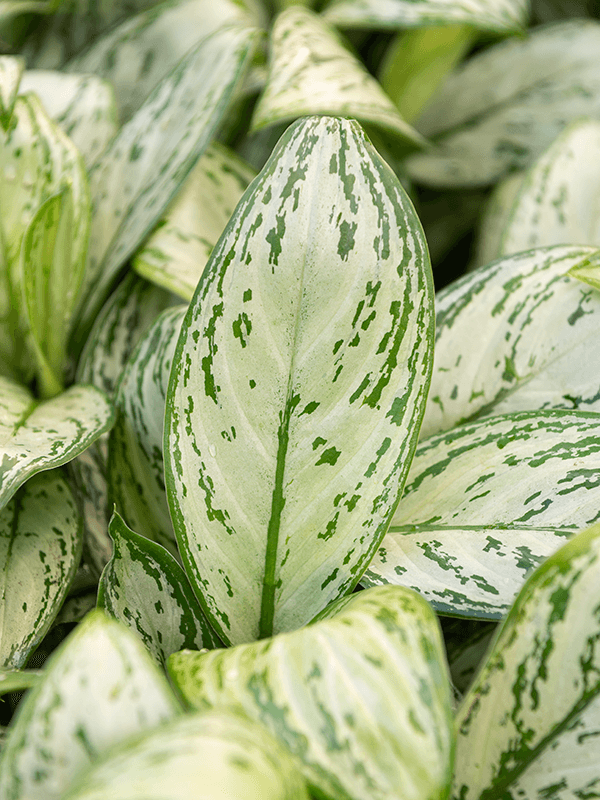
529 725
311 72
298 383
145 588
326 691
174 256
535 346
11 70
507 104
485 503
99 688
216 756
40 548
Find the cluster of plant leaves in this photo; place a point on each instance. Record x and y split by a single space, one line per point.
277 520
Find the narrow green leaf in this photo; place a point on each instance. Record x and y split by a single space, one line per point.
216 756
529 726
325 692
311 72
145 164
17 680
135 452
298 383
535 347
145 588
508 103
11 70
37 436
485 503
99 688
174 256
40 548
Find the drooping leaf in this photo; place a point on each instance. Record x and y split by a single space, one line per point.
529 725
37 436
325 691
485 503
145 164
17 680
99 688
144 587
507 104
40 547
135 458
82 105
216 756
311 72
499 16
175 255
136 55
297 391
11 70
535 346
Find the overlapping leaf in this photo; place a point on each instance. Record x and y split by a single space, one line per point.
99 687
144 587
135 459
529 725
325 691
40 547
16 680
298 383
485 503
175 255
506 105
11 70
214 755
588 271
311 72
494 218
536 339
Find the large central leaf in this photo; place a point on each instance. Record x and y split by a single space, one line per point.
298 383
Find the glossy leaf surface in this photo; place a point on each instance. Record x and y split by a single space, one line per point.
298 383
326 690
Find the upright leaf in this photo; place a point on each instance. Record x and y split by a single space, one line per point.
40 547
298 383
11 71
325 692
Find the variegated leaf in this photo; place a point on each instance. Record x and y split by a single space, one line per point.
82 105
145 164
298 384
17 680
40 548
507 104
136 55
311 72
529 726
37 436
502 16
99 687
36 161
11 70
75 608
215 755
485 503
325 691
144 587
588 271
174 256
135 452
53 261
494 219
535 346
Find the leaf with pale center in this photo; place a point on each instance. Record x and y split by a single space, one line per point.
11 71
298 383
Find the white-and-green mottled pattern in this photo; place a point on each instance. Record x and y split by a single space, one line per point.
517 334
40 547
11 70
529 726
507 104
145 587
498 16
299 383
485 503
213 756
174 256
362 699
99 687
311 72
493 219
